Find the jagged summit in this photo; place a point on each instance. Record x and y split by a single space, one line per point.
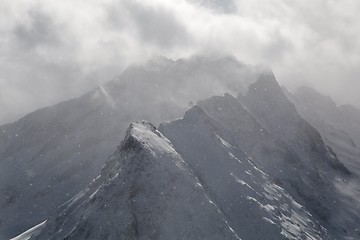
268 90
140 126
199 77
195 110
223 60
144 134
267 76
267 102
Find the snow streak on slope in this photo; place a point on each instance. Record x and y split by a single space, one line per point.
145 191
31 232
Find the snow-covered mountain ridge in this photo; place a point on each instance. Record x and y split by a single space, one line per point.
262 167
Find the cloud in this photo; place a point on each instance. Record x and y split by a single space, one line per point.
53 50
220 6
40 31
156 25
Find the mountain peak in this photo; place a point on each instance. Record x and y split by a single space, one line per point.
139 127
267 83
266 97
144 134
160 60
194 112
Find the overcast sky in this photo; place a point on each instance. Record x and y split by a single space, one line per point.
52 50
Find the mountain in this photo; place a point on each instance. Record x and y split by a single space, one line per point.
259 166
145 191
64 145
339 125
268 104
325 177
323 108
49 150
307 178
273 155
255 205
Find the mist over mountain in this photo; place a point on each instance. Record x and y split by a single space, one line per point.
66 144
186 119
234 156
52 51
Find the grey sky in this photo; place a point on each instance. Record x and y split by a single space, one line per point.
53 50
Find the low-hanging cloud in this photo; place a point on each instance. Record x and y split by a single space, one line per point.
53 50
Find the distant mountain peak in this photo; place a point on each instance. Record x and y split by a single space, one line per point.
195 110
268 84
267 98
160 60
306 93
